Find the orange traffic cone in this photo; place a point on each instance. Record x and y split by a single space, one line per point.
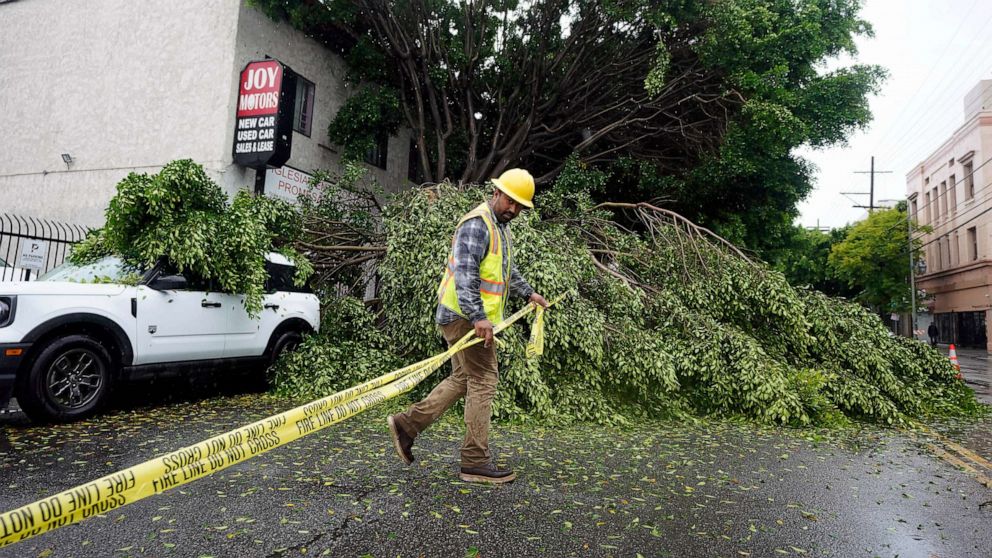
954 360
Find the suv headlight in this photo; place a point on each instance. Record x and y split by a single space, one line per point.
7 305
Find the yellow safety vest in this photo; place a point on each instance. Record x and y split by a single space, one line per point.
493 287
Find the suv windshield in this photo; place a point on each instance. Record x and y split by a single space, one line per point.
109 269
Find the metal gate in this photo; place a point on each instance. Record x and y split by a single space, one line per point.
30 247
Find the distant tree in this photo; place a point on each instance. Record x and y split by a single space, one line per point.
804 260
874 260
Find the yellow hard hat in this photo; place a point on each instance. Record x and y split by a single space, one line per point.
518 184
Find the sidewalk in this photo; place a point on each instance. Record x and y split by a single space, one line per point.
976 367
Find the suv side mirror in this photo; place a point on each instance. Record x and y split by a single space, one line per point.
168 283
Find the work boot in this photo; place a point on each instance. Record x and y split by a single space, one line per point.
401 441
487 473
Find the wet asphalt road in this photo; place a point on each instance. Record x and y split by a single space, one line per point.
661 489
976 369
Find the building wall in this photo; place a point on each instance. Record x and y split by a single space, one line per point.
115 86
260 36
958 272
122 88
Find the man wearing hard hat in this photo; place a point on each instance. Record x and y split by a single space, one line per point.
473 295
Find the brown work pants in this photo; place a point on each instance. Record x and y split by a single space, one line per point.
474 376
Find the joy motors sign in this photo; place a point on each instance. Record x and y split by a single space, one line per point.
263 135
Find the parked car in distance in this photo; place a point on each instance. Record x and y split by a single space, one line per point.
68 338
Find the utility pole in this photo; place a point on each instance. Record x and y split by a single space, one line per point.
912 266
871 192
912 273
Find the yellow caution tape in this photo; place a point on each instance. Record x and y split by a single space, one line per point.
535 347
220 452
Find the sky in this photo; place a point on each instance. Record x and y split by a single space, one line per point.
935 51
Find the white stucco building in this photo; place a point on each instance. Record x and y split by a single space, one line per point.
949 192
91 91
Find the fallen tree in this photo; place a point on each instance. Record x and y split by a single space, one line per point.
666 319
181 215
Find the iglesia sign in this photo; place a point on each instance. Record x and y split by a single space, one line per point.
263 133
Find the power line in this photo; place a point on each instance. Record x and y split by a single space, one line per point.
916 137
963 179
958 227
934 200
986 210
952 70
905 153
924 113
932 115
937 232
934 119
946 232
933 66
975 206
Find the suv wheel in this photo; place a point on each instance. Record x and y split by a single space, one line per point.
68 380
284 342
287 341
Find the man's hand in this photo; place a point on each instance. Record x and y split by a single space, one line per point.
484 329
538 300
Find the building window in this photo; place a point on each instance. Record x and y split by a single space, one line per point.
943 198
952 189
303 116
973 243
969 181
936 205
927 207
947 250
955 250
940 255
916 212
377 155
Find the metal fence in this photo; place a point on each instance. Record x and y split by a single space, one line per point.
30 247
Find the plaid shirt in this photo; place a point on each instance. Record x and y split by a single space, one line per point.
471 242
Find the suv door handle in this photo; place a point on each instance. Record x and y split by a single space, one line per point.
272 306
207 304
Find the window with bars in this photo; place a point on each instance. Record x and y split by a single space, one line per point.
969 182
943 198
303 114
952 190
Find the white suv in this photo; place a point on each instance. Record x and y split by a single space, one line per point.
68 337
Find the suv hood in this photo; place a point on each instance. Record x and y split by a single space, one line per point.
56 288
